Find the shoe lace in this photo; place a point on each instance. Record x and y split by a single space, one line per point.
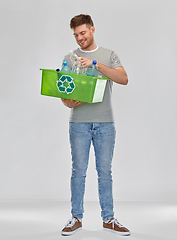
115 222
70 223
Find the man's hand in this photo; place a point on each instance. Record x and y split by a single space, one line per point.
85 62
117 75
70 103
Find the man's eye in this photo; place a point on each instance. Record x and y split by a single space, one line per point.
82 33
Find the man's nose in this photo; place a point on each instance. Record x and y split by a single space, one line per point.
79 37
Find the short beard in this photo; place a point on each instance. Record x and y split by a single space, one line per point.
88 45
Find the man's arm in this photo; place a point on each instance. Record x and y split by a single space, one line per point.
70 103
117 74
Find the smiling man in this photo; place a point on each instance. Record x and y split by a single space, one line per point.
93 123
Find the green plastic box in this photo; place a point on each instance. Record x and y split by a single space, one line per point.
78 87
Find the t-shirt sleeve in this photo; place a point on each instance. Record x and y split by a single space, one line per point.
115 61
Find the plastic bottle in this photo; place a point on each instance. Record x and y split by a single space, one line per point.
77 67
65 68
73 56
92 69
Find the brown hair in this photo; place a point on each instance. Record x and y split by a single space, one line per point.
81 19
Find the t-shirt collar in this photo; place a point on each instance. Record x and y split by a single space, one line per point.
89 51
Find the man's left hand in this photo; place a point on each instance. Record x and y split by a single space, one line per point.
85 62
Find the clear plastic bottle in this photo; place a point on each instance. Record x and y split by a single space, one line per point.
92 69
73 56
65 68
77 67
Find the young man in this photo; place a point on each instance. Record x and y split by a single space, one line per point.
93 123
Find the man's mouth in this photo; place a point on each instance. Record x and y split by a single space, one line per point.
82 42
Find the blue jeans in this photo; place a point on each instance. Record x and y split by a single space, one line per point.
102 135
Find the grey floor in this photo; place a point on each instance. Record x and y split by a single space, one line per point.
37 220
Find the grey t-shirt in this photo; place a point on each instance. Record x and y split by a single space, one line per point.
96 112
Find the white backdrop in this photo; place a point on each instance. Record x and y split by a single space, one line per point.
35 161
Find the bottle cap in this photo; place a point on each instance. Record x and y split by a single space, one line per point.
65 63
94 62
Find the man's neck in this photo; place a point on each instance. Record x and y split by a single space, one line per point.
90 48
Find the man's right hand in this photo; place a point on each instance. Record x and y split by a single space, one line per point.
70 103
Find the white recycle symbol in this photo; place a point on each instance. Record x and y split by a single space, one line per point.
61 87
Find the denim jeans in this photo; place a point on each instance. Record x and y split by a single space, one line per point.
102 136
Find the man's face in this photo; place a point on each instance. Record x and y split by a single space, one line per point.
84 36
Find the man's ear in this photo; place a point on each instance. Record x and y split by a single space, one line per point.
92 29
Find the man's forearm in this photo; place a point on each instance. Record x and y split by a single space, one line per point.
117 75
